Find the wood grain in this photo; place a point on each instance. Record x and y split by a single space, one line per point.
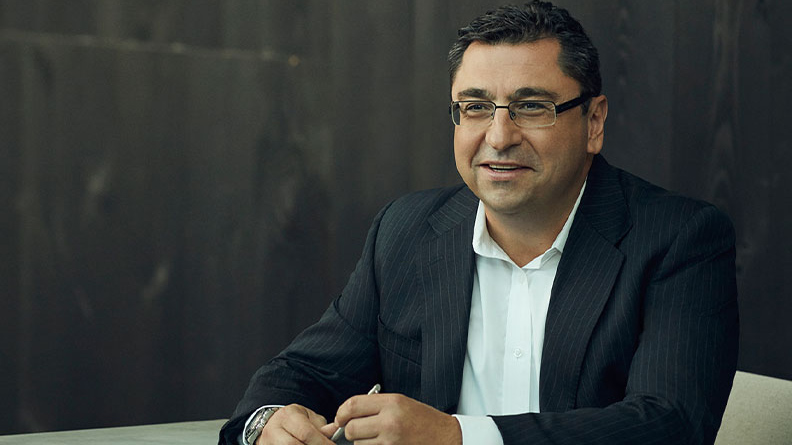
187 184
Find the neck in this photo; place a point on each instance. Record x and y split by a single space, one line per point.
528 234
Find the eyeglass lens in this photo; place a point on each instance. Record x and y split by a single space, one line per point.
526 113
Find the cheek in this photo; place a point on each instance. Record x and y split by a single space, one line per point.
461 160
562 147
459 151
465 146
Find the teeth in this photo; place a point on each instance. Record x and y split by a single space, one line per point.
503 167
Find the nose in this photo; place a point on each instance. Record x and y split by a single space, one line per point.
502 132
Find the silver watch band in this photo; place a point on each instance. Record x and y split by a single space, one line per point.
253 430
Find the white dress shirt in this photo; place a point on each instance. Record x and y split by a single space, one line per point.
505 332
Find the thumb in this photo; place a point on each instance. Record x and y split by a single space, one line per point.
329 429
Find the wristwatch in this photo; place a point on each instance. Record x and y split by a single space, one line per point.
255 426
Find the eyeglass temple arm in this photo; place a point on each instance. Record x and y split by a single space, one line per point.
572 103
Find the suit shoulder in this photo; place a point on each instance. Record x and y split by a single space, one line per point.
407 221
417 207
642 196
658 210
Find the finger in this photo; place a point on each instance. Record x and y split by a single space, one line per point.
272 435
363 428
329 429
276 436
304 431
374 441
360 406
293 424
316 420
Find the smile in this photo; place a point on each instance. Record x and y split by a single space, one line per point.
503 168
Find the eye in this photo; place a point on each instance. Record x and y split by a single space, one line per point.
530 108
476 108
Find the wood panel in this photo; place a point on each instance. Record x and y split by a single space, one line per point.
189 183
10 122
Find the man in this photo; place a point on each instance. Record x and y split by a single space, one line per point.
552 299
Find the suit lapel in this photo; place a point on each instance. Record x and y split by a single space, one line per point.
446 274
586 275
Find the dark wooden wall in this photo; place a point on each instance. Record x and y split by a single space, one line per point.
185 184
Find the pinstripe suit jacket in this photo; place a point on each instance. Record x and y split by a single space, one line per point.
641 334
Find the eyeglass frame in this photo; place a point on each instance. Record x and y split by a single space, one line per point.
557 109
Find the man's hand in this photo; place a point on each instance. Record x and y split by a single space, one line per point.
385 419
296 425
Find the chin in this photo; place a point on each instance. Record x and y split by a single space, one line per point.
505 205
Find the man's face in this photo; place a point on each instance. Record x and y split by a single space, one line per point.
516 170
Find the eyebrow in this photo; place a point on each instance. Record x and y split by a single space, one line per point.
475 93
525 92
520 93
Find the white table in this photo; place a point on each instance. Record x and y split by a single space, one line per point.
192 433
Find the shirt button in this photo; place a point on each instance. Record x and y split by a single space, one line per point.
518 352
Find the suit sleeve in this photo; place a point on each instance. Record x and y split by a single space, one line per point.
330 361
682 370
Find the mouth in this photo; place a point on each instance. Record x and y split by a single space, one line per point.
503 168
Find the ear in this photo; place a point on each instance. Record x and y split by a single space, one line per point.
598 111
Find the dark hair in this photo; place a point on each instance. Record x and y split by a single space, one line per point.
531 22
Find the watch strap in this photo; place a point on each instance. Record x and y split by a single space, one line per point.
259 421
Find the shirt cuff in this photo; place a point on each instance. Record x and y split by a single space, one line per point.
241 438
479 429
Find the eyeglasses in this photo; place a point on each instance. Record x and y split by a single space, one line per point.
524 113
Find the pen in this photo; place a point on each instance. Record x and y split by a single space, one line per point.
340 432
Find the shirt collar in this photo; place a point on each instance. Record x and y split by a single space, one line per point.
484 245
